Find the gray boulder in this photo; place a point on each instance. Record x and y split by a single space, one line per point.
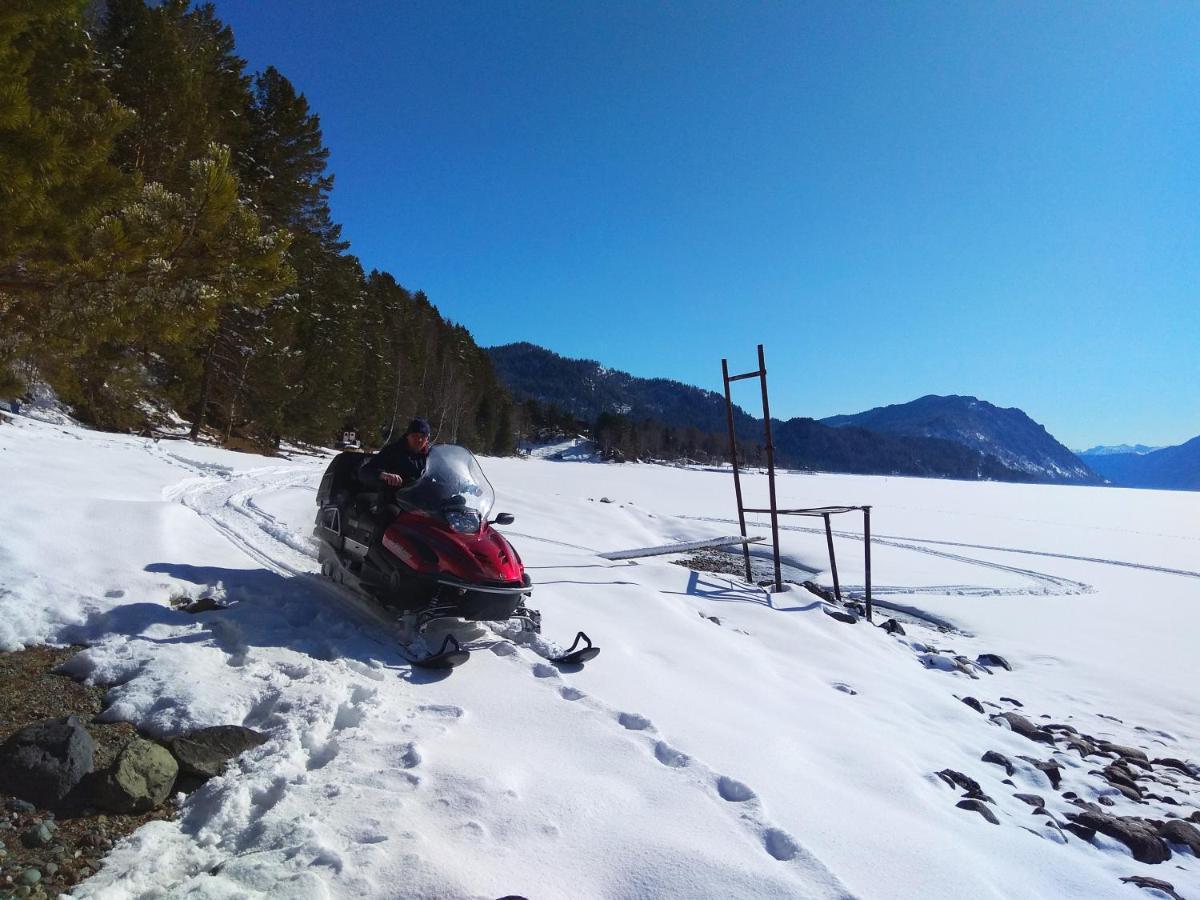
42 762
1153 884
841 615
1024 727
1178 831
973 703
204 753
999 759
140 779
1123 751
992 661
980 807
1139 836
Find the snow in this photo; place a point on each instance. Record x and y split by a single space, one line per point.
778 753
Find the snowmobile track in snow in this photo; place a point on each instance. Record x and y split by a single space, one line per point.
910 543
225 500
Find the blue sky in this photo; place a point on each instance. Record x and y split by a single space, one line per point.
998 199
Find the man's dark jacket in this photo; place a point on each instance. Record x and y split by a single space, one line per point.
395 458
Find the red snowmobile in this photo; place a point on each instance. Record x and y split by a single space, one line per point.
438 558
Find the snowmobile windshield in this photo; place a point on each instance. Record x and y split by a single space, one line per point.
455 486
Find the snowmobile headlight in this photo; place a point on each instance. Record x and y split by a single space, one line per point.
464 521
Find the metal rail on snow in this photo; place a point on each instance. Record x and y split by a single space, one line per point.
681 547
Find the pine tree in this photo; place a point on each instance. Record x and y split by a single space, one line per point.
58 122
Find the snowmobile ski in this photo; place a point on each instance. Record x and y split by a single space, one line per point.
446 657
578 657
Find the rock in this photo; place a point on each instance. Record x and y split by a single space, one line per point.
841 615
1171 763
1064 728
1178 831
1155 884
1121 779
1032 799
1016 703
1127 752
30 877
17 805
891 626
980 807
203 604
204 753
1024 727
991 661
51 868
140 779
968 784
999 759
1140 837
1050 767
1106 801
1080 746
973 703
43 761
38 835
605 500
1080 831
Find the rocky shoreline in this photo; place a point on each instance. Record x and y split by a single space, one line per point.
72 786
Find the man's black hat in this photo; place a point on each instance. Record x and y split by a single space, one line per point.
418 426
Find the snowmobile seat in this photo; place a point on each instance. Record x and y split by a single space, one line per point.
340 481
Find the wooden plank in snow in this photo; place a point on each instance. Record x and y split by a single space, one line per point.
682 547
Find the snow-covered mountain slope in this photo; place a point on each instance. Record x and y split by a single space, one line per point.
1007 434
778 753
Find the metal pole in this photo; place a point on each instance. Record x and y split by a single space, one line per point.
867 550
762 368
737 481
837 588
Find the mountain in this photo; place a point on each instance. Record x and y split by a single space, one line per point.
1006 434
1114 449
586 389
1172 468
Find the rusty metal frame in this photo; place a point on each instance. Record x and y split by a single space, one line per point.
824 512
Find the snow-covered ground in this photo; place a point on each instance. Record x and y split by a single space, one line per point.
779 753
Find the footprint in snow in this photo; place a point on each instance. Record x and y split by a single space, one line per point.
441 711
410 757
733 790
541 670
323 755
571 693
635 722
115 594
780 844
348 716
669 756
503 648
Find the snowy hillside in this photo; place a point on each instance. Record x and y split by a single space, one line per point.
726 743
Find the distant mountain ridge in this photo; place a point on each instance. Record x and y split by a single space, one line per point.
1114 449
586 389
1009 434
1171 468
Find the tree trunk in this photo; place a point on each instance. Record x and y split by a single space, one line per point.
205 390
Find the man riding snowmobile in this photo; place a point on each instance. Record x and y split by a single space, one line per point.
410 529
399 464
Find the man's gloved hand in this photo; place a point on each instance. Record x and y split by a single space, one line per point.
391 479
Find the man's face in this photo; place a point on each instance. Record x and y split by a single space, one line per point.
417 442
